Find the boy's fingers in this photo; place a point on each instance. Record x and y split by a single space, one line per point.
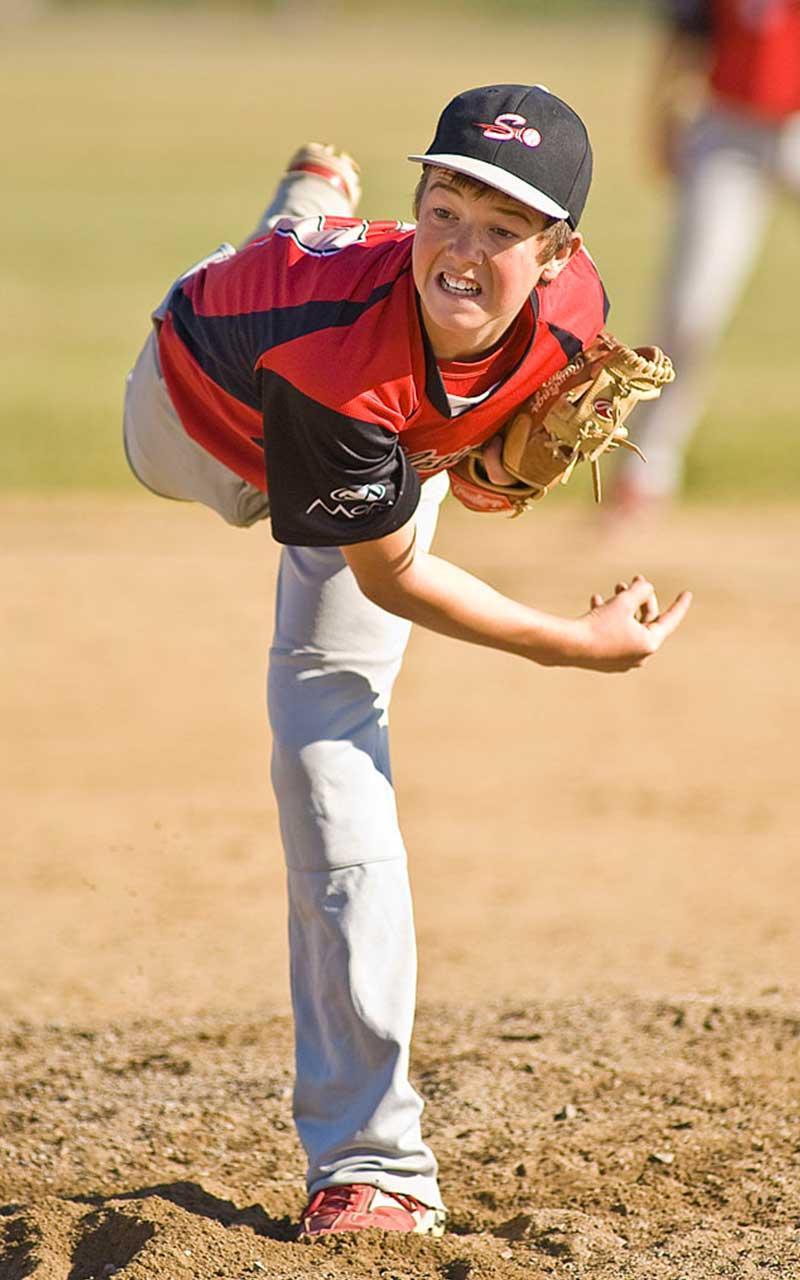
492 454
642 595
649 610
642 600
596 601
672 617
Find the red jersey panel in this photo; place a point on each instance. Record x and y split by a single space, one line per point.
476 377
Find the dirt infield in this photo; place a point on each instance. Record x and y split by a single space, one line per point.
606 882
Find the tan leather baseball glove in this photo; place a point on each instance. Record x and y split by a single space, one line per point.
577 415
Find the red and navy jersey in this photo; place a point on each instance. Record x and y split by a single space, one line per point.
303 365
755 50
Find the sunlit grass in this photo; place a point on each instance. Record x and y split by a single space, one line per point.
138 142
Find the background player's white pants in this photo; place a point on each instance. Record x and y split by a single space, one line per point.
731 169
333 662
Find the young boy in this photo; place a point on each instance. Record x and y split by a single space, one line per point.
327 375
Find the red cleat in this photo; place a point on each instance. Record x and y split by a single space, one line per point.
359 1207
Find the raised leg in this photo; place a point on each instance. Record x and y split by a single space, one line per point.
318 179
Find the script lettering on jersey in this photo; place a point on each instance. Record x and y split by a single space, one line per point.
358 501
430 460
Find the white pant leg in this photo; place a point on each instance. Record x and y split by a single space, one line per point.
333 662
167 461
725 190
303 195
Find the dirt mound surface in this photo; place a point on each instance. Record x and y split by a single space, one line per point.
635 1139
579 846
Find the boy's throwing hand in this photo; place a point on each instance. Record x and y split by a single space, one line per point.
621 632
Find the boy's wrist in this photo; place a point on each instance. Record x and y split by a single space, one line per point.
558 642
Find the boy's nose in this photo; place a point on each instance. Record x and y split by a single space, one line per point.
467 245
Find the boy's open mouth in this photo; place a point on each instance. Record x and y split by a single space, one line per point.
458 286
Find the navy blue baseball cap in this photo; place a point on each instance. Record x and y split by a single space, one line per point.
520 139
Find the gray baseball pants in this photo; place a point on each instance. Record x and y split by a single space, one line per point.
333 662
730 171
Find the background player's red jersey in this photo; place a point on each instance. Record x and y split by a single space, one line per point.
755 49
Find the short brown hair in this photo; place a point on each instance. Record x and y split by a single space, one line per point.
556 233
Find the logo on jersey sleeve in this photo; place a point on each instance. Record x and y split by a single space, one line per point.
510 127
321 236
361 500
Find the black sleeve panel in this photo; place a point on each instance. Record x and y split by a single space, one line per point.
332 480
691 16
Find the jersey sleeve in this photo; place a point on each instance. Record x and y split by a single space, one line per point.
690 16
332 480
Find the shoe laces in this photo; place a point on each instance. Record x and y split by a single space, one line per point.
408 1202
339 1198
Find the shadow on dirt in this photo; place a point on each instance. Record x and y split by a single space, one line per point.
109 1239
17 1247
193 1198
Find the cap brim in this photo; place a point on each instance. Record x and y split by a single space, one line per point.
500 179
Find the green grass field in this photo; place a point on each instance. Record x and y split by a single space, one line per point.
136 142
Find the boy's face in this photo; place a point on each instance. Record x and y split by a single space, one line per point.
475 261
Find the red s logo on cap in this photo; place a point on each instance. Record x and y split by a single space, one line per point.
509 126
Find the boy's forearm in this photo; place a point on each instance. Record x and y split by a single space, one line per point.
438 595
615 635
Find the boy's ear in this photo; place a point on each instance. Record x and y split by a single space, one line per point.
560 259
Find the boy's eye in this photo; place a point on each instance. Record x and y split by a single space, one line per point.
442 214
504 233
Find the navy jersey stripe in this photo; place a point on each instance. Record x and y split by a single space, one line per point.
227 348
567 341
216 358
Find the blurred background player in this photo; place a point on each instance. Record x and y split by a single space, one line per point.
725 122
